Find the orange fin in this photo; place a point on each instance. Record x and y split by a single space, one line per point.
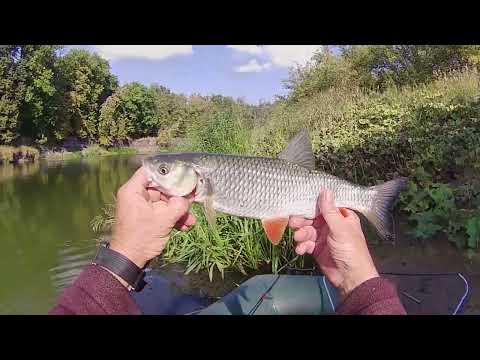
274 228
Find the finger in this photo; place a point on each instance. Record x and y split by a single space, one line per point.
297 222
191 220
310 247
306 247
156 195
349 214
176 208
186 220
184 228
307 233
329 211
321 243
301 248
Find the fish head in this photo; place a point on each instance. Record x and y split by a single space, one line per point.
172 174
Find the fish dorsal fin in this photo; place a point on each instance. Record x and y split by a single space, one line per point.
299 151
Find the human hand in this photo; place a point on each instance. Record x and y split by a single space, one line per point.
336 241
144 218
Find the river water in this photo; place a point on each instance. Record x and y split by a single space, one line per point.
45 232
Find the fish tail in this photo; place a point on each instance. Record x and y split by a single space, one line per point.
380 214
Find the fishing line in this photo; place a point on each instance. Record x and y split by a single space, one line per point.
467 287
263 296
328 293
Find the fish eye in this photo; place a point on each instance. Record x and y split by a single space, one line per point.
163 169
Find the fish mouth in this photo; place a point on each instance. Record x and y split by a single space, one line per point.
152 184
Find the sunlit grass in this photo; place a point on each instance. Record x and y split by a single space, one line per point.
89 152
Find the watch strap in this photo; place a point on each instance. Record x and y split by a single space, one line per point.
121 266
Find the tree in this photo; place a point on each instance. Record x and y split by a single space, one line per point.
170 109
377 67
130 112
28 92
382 66
86 83
10 94
323 72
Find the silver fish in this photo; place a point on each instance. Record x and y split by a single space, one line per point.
269 189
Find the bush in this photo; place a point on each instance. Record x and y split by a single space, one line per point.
429 133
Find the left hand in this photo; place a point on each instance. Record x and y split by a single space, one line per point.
144 219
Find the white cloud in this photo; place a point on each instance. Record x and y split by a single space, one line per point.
250 49
253 66
290 55
150 52
280 55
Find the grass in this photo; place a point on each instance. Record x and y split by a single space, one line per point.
89 152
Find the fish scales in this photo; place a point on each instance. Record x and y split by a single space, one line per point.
269 187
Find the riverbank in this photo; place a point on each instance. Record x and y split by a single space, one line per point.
19 154
88 152
72 150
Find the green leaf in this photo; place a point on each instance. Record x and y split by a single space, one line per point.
473 231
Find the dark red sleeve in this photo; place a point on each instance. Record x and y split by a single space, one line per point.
376 296
95 292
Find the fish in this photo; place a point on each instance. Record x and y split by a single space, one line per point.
270 189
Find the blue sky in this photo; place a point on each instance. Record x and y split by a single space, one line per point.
250 72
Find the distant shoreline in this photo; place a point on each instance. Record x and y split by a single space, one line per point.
15 155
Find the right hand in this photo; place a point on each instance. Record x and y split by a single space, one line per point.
144 219
336 241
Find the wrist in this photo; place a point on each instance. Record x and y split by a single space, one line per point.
129 253
355 278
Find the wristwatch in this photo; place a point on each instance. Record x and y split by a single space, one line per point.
121 266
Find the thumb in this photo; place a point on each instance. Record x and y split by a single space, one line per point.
329 211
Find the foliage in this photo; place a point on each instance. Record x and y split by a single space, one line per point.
91 151
427 132
224 127
323 73
379 67
86 84
127 113
382 66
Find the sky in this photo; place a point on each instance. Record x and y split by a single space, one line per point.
253 73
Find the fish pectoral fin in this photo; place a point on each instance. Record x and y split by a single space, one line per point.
208 208
209 211
275 228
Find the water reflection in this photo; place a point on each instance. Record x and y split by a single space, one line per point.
72 260
45 234
10 171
